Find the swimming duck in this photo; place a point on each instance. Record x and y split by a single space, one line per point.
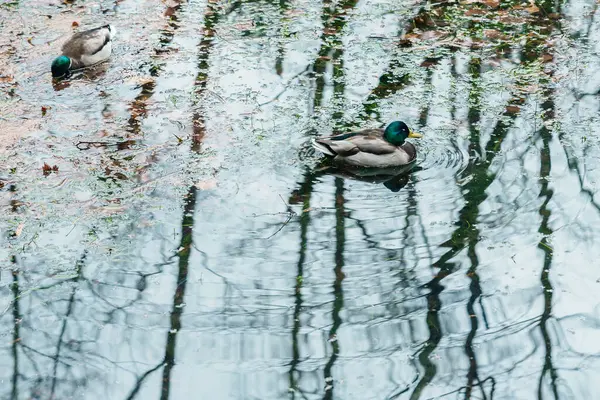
84 49
373 148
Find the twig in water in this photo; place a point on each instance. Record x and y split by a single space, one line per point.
290 214
286 86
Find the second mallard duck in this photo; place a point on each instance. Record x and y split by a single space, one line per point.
372 148
84 49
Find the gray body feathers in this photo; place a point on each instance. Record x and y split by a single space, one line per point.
89 47
366 148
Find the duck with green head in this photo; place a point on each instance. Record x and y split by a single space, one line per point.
372 148
84 49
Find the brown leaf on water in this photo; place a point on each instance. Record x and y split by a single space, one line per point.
506 18
423 20
170 11
140 81
404 43
547 58
494 34
512 109
75 24
430 61
329 31
294 12
489 3
532 9
46 169
431 35
411 37
111 209
475 12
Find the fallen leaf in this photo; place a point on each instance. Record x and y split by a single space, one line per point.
140 80
491 3
532 9
46 169
475 12
19 229
494 34
547 58
44 110
430 61
329 31
207 184
422 21
294 12
429 35
170 11
511 19
512 109
75 24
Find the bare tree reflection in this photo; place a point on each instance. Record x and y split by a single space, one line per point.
16 337
302 196
546 193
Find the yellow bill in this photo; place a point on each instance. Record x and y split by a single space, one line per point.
413 134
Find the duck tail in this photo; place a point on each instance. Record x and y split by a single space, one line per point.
322 148
111 31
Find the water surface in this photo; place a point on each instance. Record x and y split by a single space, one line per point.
188 245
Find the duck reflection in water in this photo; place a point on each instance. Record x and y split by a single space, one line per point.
392 178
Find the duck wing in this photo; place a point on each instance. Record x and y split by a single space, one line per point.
373 144
87 42
348 144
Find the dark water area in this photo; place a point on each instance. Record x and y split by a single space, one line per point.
184 241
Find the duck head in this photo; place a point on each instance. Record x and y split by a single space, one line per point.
397 132
60 66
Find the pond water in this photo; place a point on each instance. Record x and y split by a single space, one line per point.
183 241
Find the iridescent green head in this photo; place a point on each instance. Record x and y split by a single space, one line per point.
397 132
60 66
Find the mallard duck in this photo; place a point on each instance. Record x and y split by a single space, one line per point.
84 49
372 148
